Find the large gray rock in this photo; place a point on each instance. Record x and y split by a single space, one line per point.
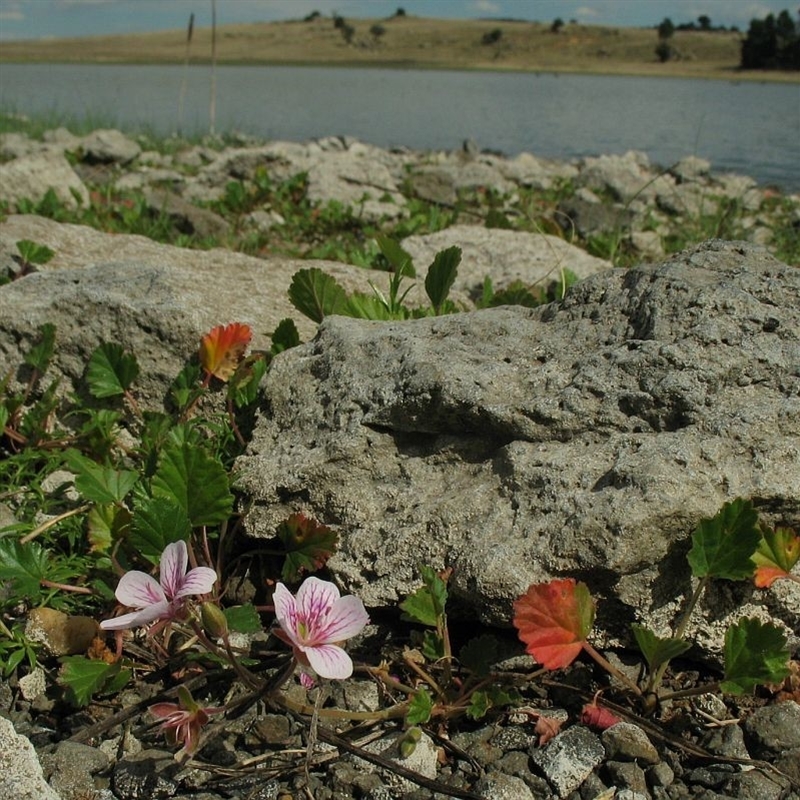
156 300
21 775
30 177
586 438
504 256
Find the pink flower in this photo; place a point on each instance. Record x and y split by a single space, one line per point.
316 622
164 600
183 720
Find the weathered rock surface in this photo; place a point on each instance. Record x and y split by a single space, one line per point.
21 775
585 439
30 177
157 300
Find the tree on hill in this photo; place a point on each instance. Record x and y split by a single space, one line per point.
664 50
772 43
704 22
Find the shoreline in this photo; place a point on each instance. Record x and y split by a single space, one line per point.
612 71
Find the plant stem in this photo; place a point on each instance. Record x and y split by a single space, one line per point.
693 692
612 670
66 587
54 521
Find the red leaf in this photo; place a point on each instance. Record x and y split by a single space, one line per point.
223 347
778 552
554 619
598 717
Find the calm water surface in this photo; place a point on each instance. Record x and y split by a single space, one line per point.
751 128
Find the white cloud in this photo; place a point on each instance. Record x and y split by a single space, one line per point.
585 12
486 7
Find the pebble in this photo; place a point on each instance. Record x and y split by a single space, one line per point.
569 758
628 742
771 730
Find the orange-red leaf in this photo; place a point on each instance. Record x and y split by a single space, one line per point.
223 347
554 619
778 552
598 717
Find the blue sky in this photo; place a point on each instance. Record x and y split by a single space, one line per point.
33 19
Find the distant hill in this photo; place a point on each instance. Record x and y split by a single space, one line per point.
408 41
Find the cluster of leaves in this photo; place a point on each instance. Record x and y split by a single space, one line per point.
141 480
555 619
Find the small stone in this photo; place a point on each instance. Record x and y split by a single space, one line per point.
497 786
149 775
628 742
569 758
771 730
33 684
60 633
660 775
726 741
627 775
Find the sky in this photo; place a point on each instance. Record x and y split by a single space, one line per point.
35 19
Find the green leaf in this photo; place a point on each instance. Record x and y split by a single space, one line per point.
479 654
493 697
419 707
399 260
308 545
4 415
24 565
441 275
285 336
316 294
186 387
194 480
34 253
40 354
723 546
243 386
432 646
97 483
427 604
366 306
108 523
83 677
243 619
157 522
755 653
111 370
657 651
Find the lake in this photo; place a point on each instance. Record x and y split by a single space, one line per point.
750 128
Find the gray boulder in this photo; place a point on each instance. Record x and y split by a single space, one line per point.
585 438
503 255
109 146
30 177
21 775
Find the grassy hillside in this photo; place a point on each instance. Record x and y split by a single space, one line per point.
415 42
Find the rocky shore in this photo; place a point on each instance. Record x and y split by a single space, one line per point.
585 437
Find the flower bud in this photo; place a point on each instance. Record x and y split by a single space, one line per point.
214 622
408 744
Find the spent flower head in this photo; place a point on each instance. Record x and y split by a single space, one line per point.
316 622
164 599
182 721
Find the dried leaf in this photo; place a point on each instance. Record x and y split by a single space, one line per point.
223 347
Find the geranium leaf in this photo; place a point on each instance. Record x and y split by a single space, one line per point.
553 620
420 708
308 545
426 605
196 481
285 336
657 651
399 260
40 354
223 348
723 546
316 294
778 552
83 677
25 566
441 275
755 654
97 483
243 388
243 619
107 523
157 522
111 370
